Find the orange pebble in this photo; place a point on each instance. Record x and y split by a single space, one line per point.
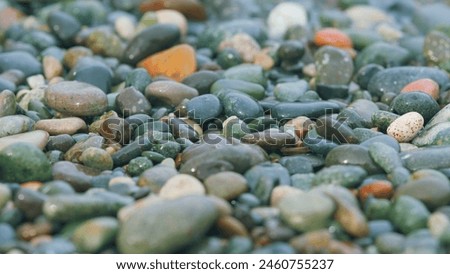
377 189
34 185
332 37
177 62
424 85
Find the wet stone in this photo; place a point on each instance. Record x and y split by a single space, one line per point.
76 98
262 179
335 131
290 92
91 71
169 92
334 66
138 165
227 85
131 101
79 177
138 78
394 79
297 164
419 102
384 139
96 158
158 36
204 108
352 155
61 142
201 81
37 138
74 153
241 105
61 126
382 119
311 110
270 139
383 54
347 176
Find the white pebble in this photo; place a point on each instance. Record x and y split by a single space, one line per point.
181 185
406 127
284 16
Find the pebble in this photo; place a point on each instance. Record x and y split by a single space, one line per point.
5 195
419 102
155 177
180 186
202 81
96 158
74 153
204 108
37 138
408 214
29 202
149 41
20 60
131 101
192 9
366 17
385 156
425 85
334 66
168 63
94 235
240 105
332 37
15 124
169 92
7 103
285 15
138 165
306 212
61 126
163 227
347 176
352 155
390 243
244 44
433 191
76 98
377 189
22 162
226 185
428 158
436 47
384 54
394 79
79 177
64 208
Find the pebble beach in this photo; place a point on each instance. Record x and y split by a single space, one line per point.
225 126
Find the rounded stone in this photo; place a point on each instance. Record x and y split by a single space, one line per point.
96 158
15 124
95 234
156 177
406 127
61 126
22 162
227 185
76 98
408 214
203 108
7 103
167 226
415 102
286 15
180 186
169 92
138 165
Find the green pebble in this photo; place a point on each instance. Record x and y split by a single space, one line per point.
346 176
408 214
385 156
138 165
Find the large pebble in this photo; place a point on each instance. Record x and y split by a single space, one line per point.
169 92
385 156
95 234
151 40
334 66
20 60
408 214
15 124
415 101
65 208
22 162
347 176
306 212
352 155
168 226
37 138
61 126
156 177
131 101
286 15
181 185
7 103
406 127
227 185
76 98
427 158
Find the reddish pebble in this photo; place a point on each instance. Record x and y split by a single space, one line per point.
377 189
176 63
9 16
424 85
192 9
332 37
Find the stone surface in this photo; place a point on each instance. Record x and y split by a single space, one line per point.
15 124
61 126
95 234
227 185
7 103
286 15
76 98
176 63
22 162
180 186
37 138
169 92
163 226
